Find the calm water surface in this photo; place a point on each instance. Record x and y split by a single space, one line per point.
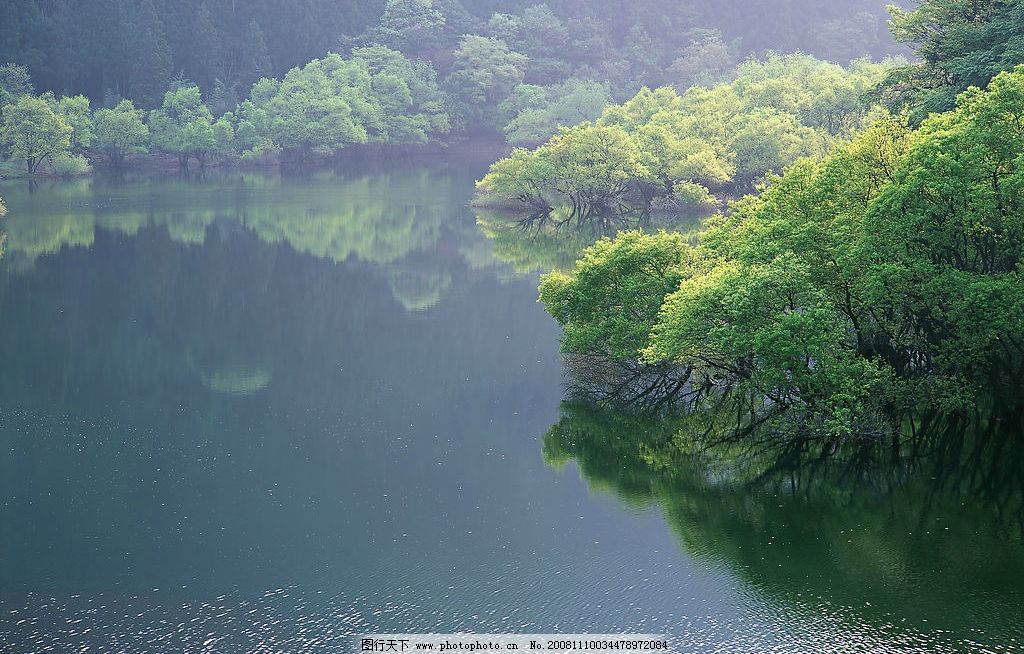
267 412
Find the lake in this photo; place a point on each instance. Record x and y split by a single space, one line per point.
264 412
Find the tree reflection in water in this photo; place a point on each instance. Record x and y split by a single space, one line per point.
928 530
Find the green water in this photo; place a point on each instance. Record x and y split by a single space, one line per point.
264 412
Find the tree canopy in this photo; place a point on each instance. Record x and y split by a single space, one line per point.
681 147
882 277
132 48
960 43
34 131
120 132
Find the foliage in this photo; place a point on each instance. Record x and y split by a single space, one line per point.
776 111
885 276
133 47
377 96
613 295
484 73
407 89
959 44
414 24
153 64
34 131
541 35
706 61
525 71
120 132
539 112
75 112
15 81
67 164
183 126
592 168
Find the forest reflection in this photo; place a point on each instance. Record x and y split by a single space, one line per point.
230 280
930 529
546 241
382 219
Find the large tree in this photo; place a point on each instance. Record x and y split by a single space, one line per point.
183 126
484 74
206 59
34 132
254 58
14 81
76 113
120 132
960 43
413 25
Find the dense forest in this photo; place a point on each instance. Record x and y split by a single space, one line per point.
133 48
99 82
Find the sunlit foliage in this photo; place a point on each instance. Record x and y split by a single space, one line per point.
377 96
120 132
680 148
183 126
34 131
883 277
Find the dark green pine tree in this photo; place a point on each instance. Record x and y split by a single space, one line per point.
103 50
206 52
152 65
255 57
23 31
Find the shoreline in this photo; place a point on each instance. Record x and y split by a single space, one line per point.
483 149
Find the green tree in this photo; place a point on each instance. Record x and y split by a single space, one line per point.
410 24
857 287
542 36
35 132
224 137
960 43
706 61
484 73
611 300
594 169
767 141
75 112
120 132
14 81
570 103
255 62
206 49
183 126
777 110
320 108
413 103
377 96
